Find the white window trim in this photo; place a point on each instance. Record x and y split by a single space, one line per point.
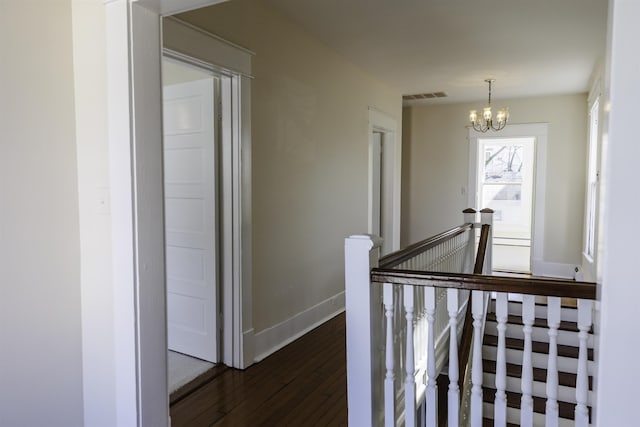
590 261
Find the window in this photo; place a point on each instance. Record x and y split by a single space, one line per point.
592 181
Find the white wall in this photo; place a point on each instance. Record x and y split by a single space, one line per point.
619 291
40 317
436 163
309 156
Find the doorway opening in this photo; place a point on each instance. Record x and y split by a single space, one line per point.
505 184
507 173
381 192
384 187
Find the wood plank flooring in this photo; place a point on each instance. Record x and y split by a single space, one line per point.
304 384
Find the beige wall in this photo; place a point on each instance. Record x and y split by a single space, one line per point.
436 163
174 73
40 326
309 156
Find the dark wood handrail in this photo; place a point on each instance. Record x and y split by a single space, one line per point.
530 286
467 328
482 248
398 257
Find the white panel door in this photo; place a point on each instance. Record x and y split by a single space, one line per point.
190 218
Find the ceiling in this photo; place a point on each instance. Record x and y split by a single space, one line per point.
532 47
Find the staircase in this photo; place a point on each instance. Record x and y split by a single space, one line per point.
411 321
567 362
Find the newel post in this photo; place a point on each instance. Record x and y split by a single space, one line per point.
486 217
469 216
362 313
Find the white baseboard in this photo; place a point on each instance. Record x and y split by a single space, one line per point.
553 269
248 348
272 339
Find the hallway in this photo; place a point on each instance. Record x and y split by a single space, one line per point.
302 384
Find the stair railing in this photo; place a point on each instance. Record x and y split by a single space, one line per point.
472 333
528 288
392 322
393 331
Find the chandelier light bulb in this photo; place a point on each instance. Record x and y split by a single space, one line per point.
502 116
487 114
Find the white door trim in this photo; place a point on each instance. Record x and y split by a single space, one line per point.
212 50
540 132
133 43
388 125
233 65
135 158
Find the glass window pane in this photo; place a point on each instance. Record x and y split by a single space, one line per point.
503 163
506 201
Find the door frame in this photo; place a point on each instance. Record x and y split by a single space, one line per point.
382 122
539 131
233 64
134 33
235 184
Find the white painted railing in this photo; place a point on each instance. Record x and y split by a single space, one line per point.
552 311
398 334
403 326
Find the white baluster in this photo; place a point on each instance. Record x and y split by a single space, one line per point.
553 320
389 380
400 334
410 382
526 402
431 394
500 403
582 380
447 258
477 310
454 389
420 346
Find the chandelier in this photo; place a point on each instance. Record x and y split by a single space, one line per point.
484 123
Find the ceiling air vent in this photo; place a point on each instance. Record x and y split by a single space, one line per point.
425 96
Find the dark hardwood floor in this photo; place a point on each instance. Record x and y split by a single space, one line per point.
304 384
